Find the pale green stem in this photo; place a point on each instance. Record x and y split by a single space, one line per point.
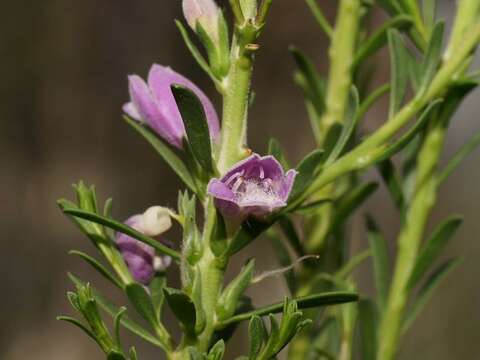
235 106
342 53
409 241
468 12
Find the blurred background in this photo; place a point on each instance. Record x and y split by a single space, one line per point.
64 68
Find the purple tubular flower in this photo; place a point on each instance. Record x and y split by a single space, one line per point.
256 186
154 104
140 257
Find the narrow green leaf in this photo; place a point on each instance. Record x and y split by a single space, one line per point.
381 269
308 78
306 171
349 127
230 297
371 100
133 353
288 229
165 152
217 351
196 53
427 290
352 264
392 181
275 150
127 230
196 126
351 202
429 8
368 324
156 289
457 159
376 41
432 58
320 17
269 350
312 207
99 267
117 322
115 355
182 307
257 334
433 248
142 302
113 310
406 138
306 302
399 71
249 231
78 324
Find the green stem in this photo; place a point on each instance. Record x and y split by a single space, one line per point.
410 239
236 101
341 53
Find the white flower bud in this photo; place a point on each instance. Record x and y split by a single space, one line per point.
156 221
205 12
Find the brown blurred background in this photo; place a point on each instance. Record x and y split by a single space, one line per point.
64 68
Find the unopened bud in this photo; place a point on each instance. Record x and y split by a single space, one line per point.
203 12
156 221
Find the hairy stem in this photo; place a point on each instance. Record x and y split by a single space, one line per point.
410 239
235 103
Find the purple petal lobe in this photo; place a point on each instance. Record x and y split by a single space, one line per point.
139 257
256 186
154 104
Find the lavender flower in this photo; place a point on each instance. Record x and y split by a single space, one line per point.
140 257
155 105
203 12
256 186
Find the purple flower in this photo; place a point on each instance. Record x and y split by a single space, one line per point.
140 257
155 105
256 186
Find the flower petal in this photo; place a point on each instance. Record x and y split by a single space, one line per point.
160 80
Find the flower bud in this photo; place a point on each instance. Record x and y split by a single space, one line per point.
141 259
205 13
156 220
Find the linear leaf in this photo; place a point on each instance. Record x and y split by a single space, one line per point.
457 159
78 324
428 288
165 152
381 269
113 310
306 170
406 138
320 17
196 53
306 302
399 71
432 57
196 126
351 202
99 267
376 41
433 247
368 324
120 227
